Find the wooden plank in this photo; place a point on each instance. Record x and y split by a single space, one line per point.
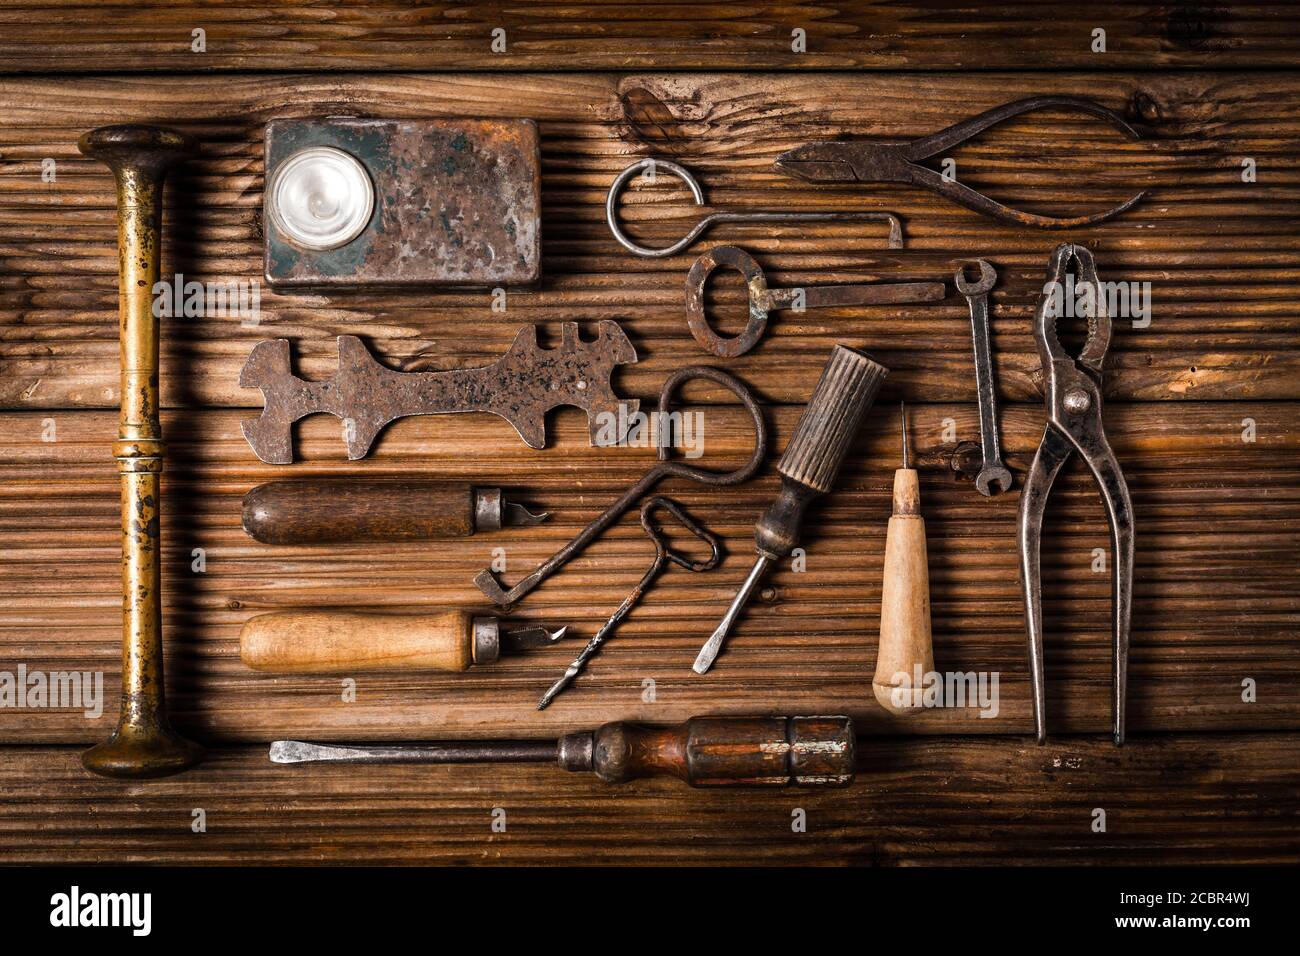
1188 799
74 36
1221 254
1217 588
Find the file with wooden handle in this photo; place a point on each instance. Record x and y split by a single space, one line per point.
326 510
333 642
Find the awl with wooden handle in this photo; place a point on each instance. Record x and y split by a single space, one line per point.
332 642
703 752
323 510
905 640
809 466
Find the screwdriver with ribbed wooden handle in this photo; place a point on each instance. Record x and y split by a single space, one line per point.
703 751
905 640
808 468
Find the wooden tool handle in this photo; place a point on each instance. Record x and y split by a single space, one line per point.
319 510
330 642
905 640
720 751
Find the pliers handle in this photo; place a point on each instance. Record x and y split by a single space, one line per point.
1074 424
899 162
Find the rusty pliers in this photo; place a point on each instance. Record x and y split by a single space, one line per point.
867 161
1072 389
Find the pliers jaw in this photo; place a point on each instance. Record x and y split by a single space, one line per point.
1074 424
847 161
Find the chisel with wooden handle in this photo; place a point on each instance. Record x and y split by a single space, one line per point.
325 510
703 752
332 642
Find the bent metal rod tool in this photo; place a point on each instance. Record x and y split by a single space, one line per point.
993 477
764 299
808 468
333 642
521 387
663 555
491 587
144 743
873 161
651 168
329 510
702 752
1072 392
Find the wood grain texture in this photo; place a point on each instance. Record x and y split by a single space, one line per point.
1207 777
1220 254
920 801
723 34
1217 586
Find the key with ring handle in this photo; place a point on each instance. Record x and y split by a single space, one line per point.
663 555
764 299
491 587
994 477
654 165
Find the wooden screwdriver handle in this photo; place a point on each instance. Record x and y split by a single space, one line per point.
331 642
719 751
905 639
319 510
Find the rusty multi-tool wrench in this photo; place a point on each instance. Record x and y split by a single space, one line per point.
490 586
663 555
993 477
521 387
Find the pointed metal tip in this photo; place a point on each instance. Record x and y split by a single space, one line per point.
531 636
519 516
902 410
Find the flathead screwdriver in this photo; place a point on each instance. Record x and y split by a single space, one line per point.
808 468
703 751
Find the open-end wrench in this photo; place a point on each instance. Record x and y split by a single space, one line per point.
993 477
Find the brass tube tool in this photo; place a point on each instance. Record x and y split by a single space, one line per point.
144 743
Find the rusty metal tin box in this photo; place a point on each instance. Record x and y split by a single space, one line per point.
452 202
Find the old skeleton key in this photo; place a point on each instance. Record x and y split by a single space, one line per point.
521 387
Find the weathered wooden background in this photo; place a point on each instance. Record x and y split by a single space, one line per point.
1207 777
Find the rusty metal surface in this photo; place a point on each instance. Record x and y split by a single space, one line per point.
521 387
873 161
1072 394
764 299
144 743
457 203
